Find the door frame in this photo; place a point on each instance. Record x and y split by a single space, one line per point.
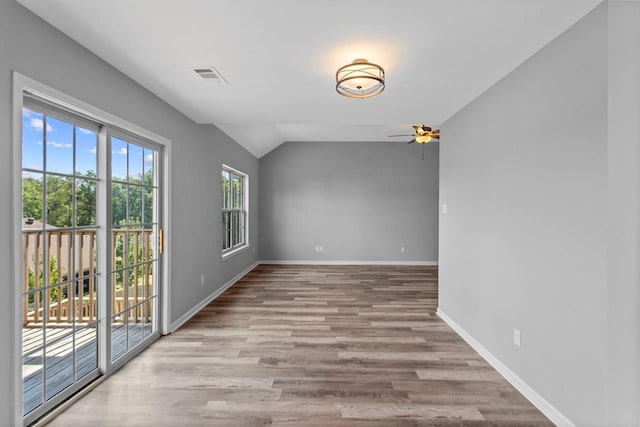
21 84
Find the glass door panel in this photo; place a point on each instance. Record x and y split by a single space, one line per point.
134 260
59 253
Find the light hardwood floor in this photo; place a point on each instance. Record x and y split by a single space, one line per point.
311 346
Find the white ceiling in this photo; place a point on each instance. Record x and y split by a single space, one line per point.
280 57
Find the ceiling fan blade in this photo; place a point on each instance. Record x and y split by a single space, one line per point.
421 129
393 136
412 141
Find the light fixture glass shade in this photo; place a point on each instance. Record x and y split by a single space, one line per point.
360 79
423 139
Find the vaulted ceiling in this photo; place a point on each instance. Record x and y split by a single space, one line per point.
279 57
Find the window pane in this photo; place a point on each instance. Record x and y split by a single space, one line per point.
60 247
59 201
118 337
226 229
225 189
237 192
135 205
32 138
32 199
86 152
148 204
86 249
135 326
86 351
132 283
86 202
33 252
118 159
35 307
118 204
238 227
135 154
59 145
148 166
118 250
87 287
59 365
33 374
147 325
117 292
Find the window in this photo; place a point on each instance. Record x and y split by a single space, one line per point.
235 186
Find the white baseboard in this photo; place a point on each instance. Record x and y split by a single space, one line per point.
189 314
538 401
322 262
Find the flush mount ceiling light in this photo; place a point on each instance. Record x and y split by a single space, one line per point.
360 79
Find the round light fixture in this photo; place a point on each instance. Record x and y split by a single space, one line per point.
423 139
360 79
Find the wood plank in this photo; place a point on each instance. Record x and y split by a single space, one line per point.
317 346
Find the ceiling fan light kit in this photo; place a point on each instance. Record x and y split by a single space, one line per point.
360 79
423 139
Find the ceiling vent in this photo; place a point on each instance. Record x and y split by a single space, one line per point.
210 74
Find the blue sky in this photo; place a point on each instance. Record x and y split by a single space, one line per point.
60 148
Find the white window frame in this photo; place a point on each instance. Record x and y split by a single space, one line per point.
245 210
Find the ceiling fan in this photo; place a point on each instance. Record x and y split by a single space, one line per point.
423 134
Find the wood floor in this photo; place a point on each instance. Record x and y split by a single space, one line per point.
311 346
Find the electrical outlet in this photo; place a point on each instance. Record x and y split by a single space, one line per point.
401 249
321 248
317 248
444 208
202 279
516 337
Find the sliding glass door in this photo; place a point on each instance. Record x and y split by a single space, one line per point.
91 251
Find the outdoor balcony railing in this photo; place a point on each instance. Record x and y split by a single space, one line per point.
71 275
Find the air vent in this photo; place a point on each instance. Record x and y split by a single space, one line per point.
210 74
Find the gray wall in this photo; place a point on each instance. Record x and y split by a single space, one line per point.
623 285
32 47
360 201
533 176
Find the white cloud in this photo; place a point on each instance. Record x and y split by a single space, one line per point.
59 144
93 150
122 151
85 131
38 124
149 158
